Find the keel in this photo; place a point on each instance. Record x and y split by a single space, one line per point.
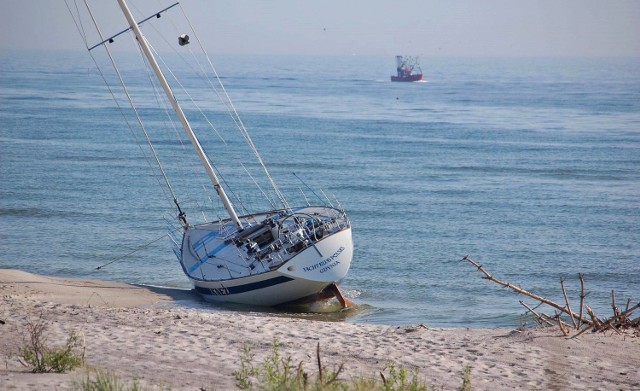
346 303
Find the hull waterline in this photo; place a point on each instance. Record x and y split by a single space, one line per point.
407 78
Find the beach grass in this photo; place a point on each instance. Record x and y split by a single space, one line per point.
43 358
277 372
105 381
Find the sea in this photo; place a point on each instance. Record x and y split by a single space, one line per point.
529 166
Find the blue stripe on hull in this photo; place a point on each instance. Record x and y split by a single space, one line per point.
246 287
196 246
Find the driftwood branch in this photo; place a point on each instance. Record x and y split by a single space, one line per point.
517 289
581 299
616 311
562 328
539 317
597 323
619 321
621 316
566 299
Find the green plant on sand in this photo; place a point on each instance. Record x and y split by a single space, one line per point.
279 373
105 381
466 379
43 358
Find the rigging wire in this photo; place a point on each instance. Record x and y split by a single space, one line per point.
225 102
169 118
132 252
158 56
236 116
181 215
77 19
153 82
151 48
162 103
81 30
310 189
270 199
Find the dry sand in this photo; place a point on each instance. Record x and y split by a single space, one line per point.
138 333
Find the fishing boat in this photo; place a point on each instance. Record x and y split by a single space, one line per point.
271 257
407 69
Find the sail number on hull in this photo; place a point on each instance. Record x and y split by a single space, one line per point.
219 291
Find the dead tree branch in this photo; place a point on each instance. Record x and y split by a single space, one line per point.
565 332
616 311
621 315
581 299
539 317
620 320
517 289
566 299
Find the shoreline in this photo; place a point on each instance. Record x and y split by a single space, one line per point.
137 333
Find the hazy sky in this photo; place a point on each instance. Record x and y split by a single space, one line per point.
370 27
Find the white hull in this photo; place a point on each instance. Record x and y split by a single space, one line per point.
224 267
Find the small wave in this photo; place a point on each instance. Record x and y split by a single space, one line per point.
33 212
39 98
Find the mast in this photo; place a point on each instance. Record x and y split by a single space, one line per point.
183 119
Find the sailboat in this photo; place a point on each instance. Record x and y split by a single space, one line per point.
278 256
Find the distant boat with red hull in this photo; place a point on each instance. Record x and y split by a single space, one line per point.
408 69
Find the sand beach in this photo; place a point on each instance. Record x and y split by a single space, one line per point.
139 333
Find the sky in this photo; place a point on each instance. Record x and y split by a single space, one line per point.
469 28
